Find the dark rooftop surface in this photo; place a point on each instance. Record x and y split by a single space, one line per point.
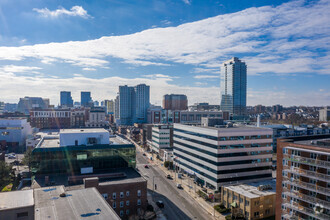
77 204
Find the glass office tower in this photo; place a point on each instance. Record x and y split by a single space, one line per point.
233 87
66 99
86 99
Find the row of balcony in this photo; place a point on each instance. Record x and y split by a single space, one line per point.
306 198
307 173
308 161
308 186
307 211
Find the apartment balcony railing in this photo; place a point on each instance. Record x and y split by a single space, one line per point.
307 173
308 186
307 211
306 198
308 161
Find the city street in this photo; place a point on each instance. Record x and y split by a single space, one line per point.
178 204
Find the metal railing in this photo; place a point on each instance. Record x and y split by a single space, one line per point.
306 198
307 173
308 161
307 186
307 211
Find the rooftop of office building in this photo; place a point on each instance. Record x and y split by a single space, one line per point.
76 204
317 142
16 199
225 128
82 130
255 189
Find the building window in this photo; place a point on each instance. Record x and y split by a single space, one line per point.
224 193
247 203
127 193
121 213
247 214
256 203
105 195
127 212
127 203
121 194
139 202
22 214
240 199
114 205
256 214
139 193
267 211
114 195
121 204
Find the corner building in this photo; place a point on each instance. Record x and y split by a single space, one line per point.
222 156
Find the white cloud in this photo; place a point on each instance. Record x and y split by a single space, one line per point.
209 42
188 2
74 11
206 77
88 69
18 69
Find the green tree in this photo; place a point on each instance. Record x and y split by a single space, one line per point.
27 157
5 174
166 164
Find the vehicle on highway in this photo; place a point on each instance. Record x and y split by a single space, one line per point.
160 204
11 157
179 186
146 166
169 177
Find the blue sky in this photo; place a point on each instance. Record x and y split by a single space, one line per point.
174 46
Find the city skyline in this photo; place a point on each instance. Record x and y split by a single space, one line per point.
287 65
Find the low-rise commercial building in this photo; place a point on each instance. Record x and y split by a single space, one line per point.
127 195
252 201
81 151
50 118
17 205
303 180
222 156
15 131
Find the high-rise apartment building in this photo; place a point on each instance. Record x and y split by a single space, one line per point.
142 102
86 99
303 178
133 103
233 81
223 156
66 99
175 102
27 103
324 114
110 106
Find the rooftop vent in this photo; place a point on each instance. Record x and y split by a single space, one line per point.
264 187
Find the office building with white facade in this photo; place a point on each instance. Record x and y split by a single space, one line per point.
233 79
223 156
161 137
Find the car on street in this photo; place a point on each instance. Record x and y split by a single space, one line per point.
144 154
160 204
179 186
146 166
169 177
11 157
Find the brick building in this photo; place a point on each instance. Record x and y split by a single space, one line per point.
50 118
303 180
127 196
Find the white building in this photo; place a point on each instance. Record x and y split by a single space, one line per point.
97 119
14 131
223 156
75 137
324 114
161 135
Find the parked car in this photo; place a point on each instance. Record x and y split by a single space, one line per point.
146 166
11 157
169 177
179 186
160 204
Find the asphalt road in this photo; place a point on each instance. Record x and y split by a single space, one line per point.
178 204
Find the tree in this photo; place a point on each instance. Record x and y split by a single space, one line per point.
5 174
27 157
166 164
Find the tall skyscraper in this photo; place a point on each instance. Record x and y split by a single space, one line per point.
233 87
133 103
142 102
175 102
86 99
66 99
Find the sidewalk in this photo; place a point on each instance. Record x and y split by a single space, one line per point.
185 184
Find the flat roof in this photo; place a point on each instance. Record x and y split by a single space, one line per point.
114 139
83 130
322 142
235 128
16 199
132 176
251 191
78 204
